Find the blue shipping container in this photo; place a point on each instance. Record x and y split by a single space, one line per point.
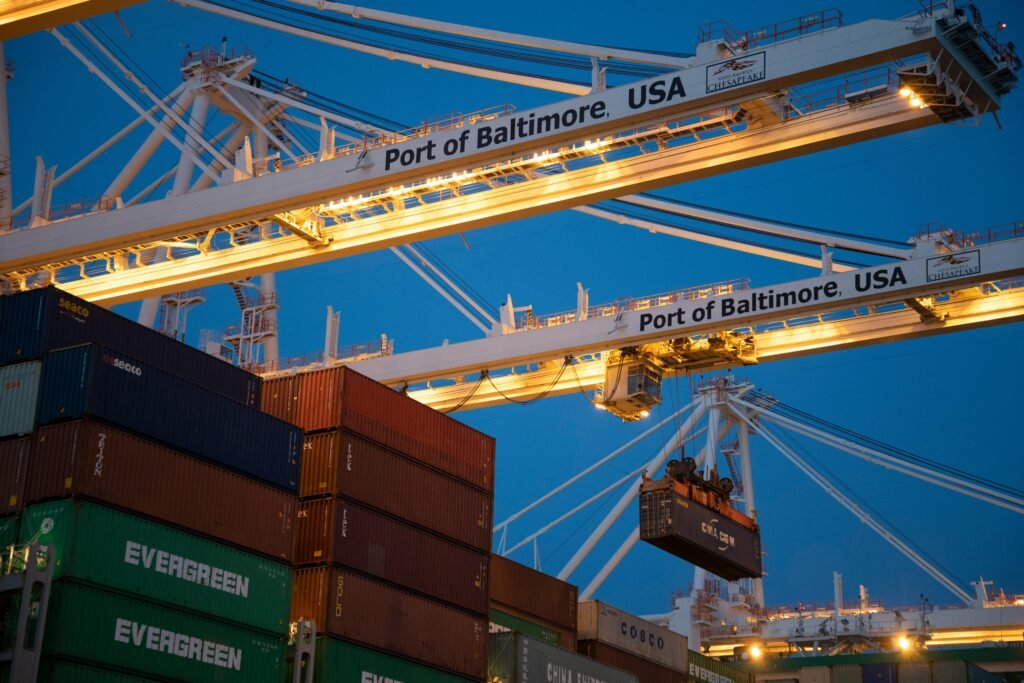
94 381
41 320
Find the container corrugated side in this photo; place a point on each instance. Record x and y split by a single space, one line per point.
515 658
340 662
19 393
707 670
14 460
910 672
92 380
942 672
41 320
374 614
341 532
58 671
646 670
119 551
93 460
343 464
279 397
111 629
883 673
341 398
533 592
601 621
564 637
815 674
9 530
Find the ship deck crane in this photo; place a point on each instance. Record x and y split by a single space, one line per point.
734 107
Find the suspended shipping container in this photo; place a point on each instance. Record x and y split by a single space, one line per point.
101 546
533 592
340 662
42 320
599 621
339 398
19 395
644 669
339 463
679 519
14 459
515 658
707 670
94 381
340 532
108 629
93 460
371 613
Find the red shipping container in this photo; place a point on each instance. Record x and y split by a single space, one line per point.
353 607
337 463
344 533
13 469
341 398
533 592
646 670
90 459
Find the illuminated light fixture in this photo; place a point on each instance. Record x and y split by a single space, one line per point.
756 652
903 643
644 413
600 406
906 92
915 101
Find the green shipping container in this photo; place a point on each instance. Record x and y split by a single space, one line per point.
109 548
340 662
112 630
8 530
71 672
707 670
528 628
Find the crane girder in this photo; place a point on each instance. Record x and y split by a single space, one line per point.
724 77
837 310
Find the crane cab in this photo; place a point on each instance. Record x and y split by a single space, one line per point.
631 388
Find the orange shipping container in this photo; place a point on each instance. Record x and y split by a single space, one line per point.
339 463
371 613
13 469
532 592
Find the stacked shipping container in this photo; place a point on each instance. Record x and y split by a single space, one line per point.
166 499
393 530
609 635
530 602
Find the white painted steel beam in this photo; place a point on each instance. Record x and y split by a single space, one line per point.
786 64
544 194
822 337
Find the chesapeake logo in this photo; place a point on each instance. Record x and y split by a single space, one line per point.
735 72
73 307
122 365
711 529
163 562
957 264
177 644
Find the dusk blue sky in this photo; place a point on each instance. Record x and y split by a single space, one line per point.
953 398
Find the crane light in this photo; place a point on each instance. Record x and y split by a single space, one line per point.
755 652
915 101
906 92
903 643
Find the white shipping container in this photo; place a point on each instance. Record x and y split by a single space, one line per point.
19 389
598 621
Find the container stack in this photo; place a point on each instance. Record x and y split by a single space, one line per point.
651 652
704 669
166 499
393 532
526 601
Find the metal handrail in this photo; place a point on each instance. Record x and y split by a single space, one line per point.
772 33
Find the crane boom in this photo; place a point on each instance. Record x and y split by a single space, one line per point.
723 114
937 291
